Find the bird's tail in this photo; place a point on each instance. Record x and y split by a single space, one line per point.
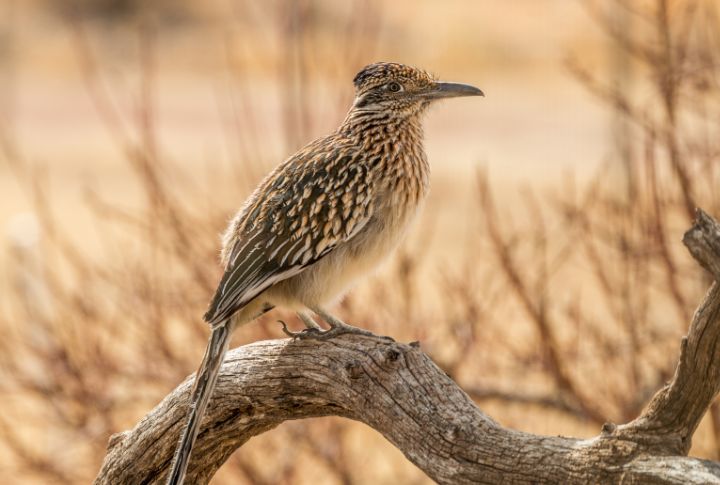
202 390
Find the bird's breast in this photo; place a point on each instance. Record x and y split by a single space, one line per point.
395 210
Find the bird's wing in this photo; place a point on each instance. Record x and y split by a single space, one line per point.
300 213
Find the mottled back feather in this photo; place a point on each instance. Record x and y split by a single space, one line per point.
314 201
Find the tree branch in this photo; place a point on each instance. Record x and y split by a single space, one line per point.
703 242
397 390
675 411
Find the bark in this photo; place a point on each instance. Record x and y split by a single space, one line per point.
397 390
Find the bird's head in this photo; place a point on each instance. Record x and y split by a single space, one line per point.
402 90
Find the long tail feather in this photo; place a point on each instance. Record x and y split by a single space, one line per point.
204 384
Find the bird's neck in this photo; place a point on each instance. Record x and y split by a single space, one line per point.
396 143
371 127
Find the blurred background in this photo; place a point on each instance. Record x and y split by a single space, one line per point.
546 274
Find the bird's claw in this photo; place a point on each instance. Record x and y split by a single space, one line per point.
336 328
295 335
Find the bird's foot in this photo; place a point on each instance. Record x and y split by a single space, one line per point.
337 327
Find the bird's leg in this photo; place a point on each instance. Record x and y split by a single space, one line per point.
314 331
308 321
337 327
335 322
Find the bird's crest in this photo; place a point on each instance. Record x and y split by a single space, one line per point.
382 72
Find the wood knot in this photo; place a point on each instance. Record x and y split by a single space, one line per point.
246 410
354 369
453 432
608 428
392 355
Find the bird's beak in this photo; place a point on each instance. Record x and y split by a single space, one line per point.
452 90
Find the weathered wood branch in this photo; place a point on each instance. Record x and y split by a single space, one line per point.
397 390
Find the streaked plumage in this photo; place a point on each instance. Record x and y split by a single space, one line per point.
323 217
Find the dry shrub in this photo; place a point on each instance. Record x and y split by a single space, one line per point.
598 270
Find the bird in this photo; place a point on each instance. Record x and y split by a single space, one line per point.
325 216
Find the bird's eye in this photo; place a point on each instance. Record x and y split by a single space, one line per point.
394 87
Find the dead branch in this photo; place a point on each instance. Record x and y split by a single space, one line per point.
397 390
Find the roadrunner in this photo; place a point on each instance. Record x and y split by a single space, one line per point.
328 214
